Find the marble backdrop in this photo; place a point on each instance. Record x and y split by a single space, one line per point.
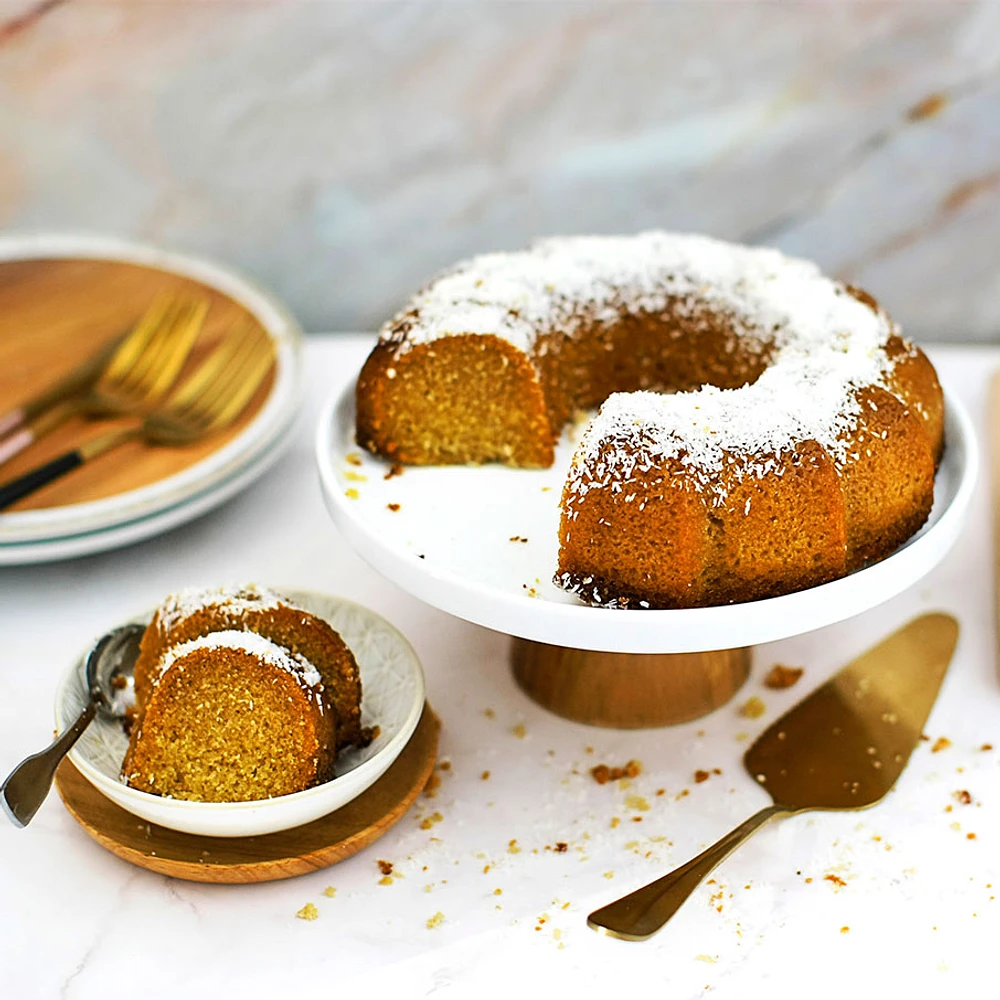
343 152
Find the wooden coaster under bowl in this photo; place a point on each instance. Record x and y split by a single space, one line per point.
280 855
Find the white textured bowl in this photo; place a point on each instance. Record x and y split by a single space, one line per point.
392 698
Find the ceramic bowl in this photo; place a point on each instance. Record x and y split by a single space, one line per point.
393 693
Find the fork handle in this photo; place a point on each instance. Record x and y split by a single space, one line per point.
11 420
642 913
25 485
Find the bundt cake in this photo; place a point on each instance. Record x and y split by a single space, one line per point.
231 717
192 613
763 428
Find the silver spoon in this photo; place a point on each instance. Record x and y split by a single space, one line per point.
111 692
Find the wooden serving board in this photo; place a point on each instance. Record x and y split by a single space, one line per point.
54 315
299 851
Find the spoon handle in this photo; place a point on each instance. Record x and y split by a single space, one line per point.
25 788
642 913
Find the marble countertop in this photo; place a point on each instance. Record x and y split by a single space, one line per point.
483 899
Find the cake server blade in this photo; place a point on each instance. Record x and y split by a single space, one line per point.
843 747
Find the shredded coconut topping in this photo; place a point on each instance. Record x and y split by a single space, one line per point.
247 642
824 344
237 599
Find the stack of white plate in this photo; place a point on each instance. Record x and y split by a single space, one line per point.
63 532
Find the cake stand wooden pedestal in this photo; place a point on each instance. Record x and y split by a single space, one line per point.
628 690
481 543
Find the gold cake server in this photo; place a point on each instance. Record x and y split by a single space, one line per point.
843 747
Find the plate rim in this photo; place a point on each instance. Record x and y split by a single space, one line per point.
686 630
78 544
282 402
369 770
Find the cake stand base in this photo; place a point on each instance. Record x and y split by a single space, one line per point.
628 690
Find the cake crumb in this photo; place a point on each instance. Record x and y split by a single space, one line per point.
753 708
610 874
512 847
602 774
928 107
308 912
682 794
353 458
835 879
561 847
393 507
433 784
385 880
986 746
518 538
636 802
428 821
355 477
385 867
396 469
700 776
489 713
941 743
780 677
330 891
844 929
498 892
519 731
963 796
485 776
614 822
436 921
351 494
970 836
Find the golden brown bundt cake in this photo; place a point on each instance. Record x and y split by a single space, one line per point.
231 717
191 613
763 428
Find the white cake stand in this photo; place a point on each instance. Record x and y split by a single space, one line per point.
481 544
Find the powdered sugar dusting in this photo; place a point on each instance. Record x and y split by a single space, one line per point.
248 642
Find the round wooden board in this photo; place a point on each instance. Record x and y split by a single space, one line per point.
56 313
280 855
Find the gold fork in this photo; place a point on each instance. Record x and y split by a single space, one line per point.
134 378
207 401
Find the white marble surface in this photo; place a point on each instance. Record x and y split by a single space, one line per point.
919 895
343 152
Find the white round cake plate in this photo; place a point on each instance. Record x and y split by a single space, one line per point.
481 543
392 682
21 530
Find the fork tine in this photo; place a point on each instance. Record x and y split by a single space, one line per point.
220 389
212 369
158 366
162 306
252 372
175 350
